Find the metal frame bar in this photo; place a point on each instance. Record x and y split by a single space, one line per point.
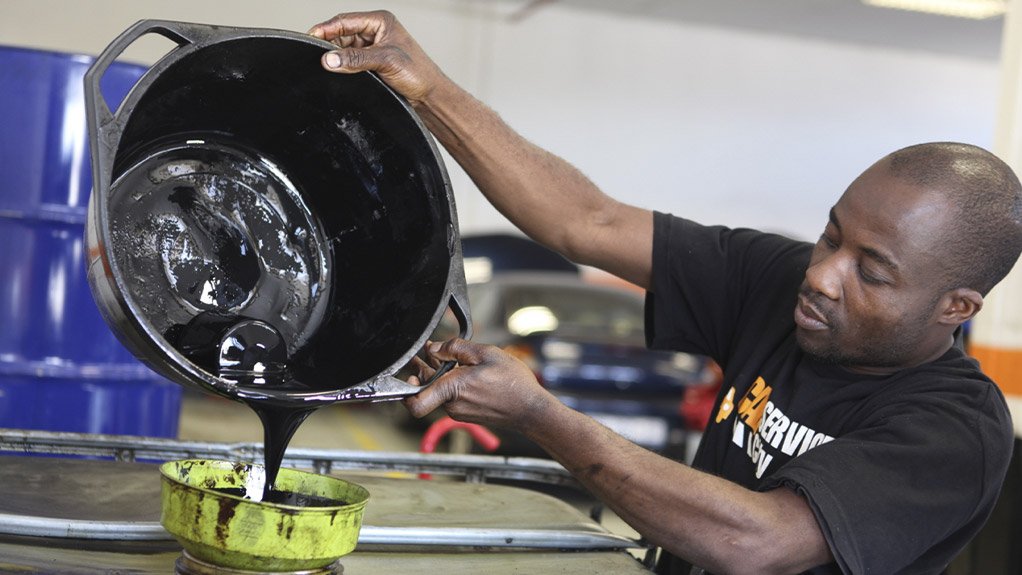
474 468
368 535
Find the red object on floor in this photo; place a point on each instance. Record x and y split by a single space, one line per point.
698 400
441 427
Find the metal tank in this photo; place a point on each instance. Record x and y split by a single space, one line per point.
61 368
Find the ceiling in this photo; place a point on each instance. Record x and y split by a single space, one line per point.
847 21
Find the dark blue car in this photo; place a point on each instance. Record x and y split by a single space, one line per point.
585 343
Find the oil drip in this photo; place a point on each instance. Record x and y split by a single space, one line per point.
279 425
253 354
247 353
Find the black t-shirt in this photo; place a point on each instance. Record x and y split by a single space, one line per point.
901 470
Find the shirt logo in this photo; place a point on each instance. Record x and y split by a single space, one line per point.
763 430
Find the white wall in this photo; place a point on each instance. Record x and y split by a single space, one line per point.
722 125
725 125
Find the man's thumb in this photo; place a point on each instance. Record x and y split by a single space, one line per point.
345 60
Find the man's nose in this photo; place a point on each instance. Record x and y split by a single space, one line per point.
824 276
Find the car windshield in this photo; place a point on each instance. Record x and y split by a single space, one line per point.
529 309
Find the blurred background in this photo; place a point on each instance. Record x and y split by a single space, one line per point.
739 112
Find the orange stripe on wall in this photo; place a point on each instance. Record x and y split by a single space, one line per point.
1002 365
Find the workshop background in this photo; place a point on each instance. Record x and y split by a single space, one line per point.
739 112
742 112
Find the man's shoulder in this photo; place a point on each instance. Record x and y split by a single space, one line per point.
955 385
671 225
748 255
955 369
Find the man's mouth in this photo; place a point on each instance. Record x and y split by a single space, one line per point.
808 317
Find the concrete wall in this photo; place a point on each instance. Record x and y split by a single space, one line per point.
722 125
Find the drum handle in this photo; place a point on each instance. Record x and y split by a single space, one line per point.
104 127
176 32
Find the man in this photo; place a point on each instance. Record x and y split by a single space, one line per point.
851 435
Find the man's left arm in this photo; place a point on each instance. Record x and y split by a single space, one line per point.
709 521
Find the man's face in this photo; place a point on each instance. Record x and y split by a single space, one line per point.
869 298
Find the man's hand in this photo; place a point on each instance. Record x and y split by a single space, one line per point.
377 42
488 387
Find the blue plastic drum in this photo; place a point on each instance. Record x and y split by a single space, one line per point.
61 368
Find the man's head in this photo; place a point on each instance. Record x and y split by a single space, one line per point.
909 252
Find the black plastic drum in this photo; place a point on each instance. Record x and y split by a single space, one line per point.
258 220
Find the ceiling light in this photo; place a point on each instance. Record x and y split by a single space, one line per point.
975 9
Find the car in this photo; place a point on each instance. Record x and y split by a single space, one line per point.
586 344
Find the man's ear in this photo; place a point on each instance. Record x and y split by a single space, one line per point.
959 306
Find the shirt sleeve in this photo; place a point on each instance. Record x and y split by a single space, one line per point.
707 280
886 494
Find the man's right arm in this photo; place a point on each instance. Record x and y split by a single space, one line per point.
545 196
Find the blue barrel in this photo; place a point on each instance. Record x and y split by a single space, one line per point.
61 368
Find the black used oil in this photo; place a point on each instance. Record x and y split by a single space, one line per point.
253 354
279 425
206 232
286 498
226 261
280 283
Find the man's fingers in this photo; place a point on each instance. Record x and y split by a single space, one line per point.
346 60
459 350
346 27
381 59
422 368
424 402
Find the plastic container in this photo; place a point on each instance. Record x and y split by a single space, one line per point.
234 532
264 230
61 368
